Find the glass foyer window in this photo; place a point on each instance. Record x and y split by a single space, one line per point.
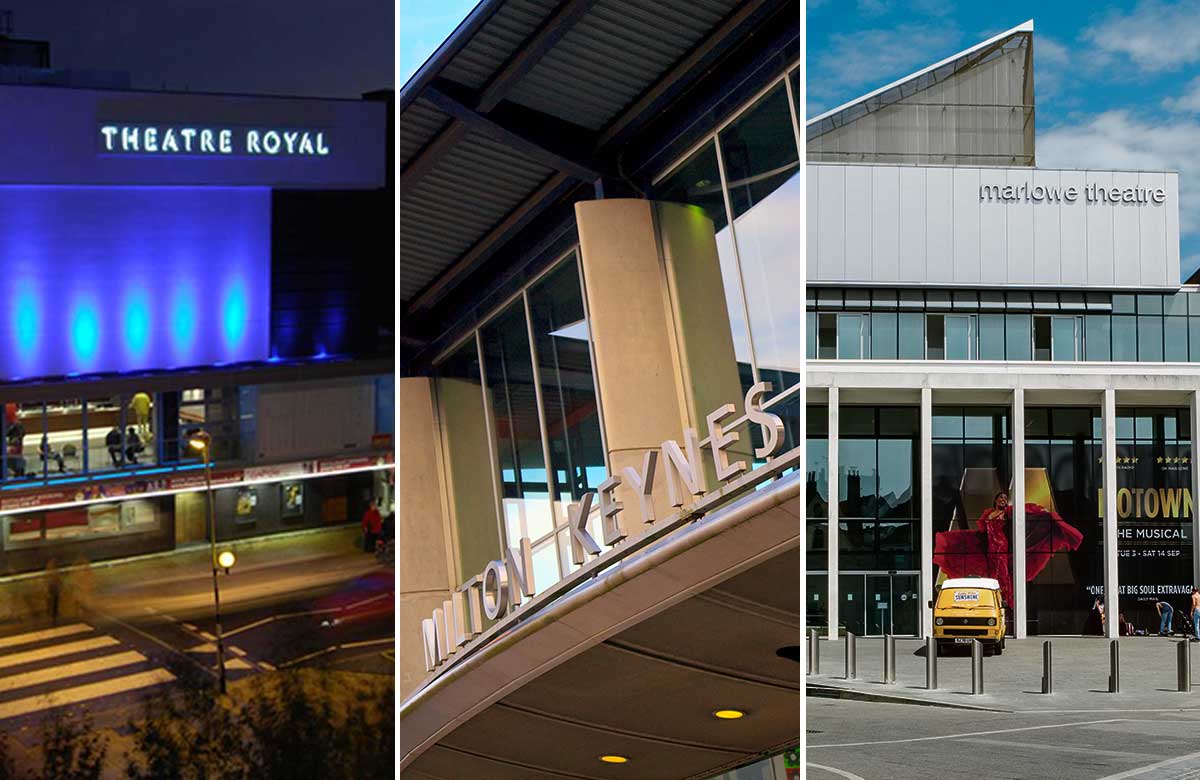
521 426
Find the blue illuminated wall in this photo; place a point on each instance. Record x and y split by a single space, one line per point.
101 279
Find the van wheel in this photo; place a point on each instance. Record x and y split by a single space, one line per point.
998 649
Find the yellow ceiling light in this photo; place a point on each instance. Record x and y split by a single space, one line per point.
729 714
614 759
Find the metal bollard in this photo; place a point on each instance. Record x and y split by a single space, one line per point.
814 651
1114 665
1047 668
886 660
976 668
851 656
891 666
930 663
1185 666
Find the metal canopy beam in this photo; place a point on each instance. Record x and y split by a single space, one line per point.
527 56
530 53
554 188
427 158
695 63
452 101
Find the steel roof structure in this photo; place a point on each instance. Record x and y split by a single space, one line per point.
530 103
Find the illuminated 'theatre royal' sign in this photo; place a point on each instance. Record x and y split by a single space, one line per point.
142 139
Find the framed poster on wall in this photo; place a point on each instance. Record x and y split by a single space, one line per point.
247 500
291 500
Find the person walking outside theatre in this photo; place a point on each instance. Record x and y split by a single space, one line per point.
1196 614
372 523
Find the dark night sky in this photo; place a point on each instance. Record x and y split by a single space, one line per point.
325 48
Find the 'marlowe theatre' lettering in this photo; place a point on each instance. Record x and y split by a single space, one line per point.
189 139
504 584
1049 193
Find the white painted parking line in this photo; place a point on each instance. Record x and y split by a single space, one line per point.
1087 751
49 633
84 693
1146 770
834 770
967 734
66 671
41 654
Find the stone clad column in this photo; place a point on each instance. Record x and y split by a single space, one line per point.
834 536
660 331
423 537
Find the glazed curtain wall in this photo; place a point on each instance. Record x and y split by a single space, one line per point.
521 426
878 517
746 178
862 324
1154 513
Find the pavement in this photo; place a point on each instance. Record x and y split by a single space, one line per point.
1012 681
132 629
864 729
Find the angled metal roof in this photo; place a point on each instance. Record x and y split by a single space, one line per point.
912 83
527 101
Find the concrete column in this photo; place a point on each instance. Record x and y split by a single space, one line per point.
1018 516
661 335
834 536
423 537
926 510
1111 586
1194 411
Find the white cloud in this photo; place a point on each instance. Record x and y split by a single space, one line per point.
1153 36
1124 141
1188 101
871 58
872 7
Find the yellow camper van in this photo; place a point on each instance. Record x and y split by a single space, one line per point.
967 609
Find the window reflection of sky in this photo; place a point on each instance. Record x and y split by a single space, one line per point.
769 243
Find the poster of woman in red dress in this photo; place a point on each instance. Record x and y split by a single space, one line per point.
985 550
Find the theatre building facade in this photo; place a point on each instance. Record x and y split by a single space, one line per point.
1003 364
180 262
600 394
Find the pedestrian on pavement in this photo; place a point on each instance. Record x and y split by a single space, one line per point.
1196 614
372 523
1166 615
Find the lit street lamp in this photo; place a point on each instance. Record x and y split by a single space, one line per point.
201 441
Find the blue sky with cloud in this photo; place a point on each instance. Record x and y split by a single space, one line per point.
1117 84
424 24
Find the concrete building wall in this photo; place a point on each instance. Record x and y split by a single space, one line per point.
661 334
426 574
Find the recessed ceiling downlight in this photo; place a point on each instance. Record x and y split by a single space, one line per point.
614 759
729 714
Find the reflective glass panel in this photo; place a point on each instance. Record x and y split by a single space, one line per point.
762 170
568 388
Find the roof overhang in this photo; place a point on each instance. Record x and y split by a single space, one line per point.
619 664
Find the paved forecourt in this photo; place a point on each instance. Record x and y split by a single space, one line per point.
1012 681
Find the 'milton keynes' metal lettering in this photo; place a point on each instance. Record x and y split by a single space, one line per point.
504 584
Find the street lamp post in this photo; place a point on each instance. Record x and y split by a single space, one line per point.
202 441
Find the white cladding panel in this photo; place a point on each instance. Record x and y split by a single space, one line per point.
932 225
